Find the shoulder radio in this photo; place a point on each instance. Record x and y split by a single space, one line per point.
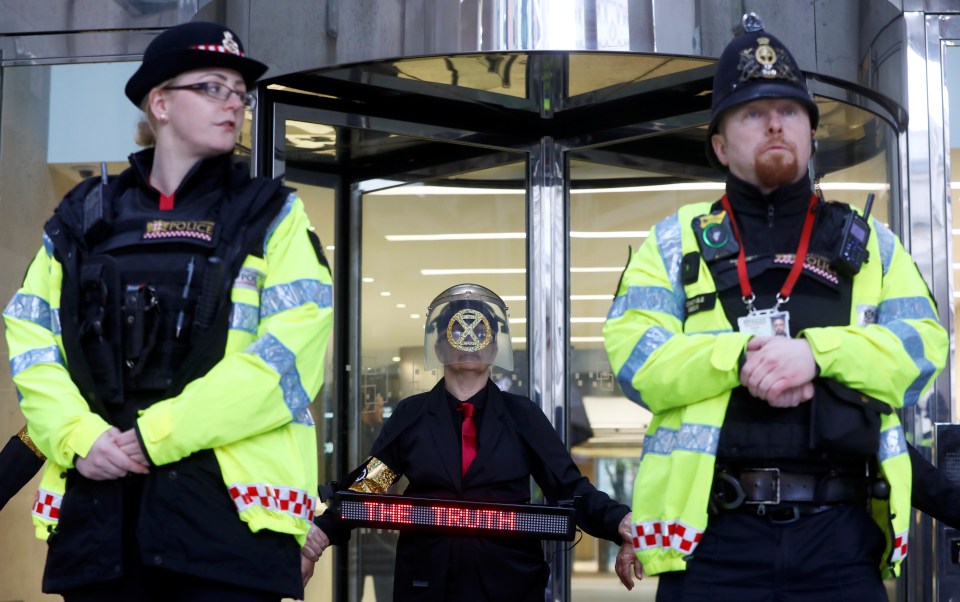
853 241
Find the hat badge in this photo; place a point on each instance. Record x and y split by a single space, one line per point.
230 44
767 57
765 62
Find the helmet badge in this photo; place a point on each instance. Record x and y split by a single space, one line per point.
765 62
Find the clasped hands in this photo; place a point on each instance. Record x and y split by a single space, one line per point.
113 455
779 371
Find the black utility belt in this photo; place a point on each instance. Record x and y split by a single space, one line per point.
752 487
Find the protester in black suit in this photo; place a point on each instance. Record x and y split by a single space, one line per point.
467 332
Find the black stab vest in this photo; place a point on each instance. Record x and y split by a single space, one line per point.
150 270
127 294
752 430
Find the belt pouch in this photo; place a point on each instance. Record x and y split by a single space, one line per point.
844 421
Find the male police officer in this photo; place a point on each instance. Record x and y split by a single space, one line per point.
773 463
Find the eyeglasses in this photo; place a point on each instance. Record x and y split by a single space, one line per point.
219 92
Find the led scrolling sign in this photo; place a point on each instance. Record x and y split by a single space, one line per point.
455 517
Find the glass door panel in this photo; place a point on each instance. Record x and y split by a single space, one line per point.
319 202
951 69
418 239
611 214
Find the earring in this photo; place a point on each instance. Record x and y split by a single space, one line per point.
163 118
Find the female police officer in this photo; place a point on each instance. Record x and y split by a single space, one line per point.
166 343
467 332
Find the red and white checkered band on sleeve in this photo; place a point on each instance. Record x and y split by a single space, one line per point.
656 534
217 48
294 502
899 551
47 504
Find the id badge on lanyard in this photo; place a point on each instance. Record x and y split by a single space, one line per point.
773 321
766 323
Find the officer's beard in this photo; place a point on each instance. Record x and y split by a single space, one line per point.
777 170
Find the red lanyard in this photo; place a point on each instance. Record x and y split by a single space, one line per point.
784 295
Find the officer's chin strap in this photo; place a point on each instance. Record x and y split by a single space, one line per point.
812 169
816 186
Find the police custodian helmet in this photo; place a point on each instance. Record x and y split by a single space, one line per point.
195 45
467 323
756 65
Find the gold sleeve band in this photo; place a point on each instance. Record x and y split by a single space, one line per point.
25 437
375 478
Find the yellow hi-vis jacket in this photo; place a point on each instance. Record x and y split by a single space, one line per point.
684 368
251 408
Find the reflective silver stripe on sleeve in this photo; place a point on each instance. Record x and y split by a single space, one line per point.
913 344
887 241
43 355
700 438
48 245
281 215
295 294
245 317
284 362
891 315
651 340
905 308
33 308
647 298
670 243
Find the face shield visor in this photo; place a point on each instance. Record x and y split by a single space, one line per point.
467 323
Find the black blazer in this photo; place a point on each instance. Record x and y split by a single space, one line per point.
515 442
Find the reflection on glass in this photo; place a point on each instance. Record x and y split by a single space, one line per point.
951 68
854 156
499 73
319 205
595 71
607 221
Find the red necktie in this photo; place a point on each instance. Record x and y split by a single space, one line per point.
468 436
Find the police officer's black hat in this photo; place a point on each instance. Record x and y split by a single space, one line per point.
756 65
195 45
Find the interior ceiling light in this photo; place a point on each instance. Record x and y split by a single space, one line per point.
585 320
469 271
425 190
518 298
460 236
